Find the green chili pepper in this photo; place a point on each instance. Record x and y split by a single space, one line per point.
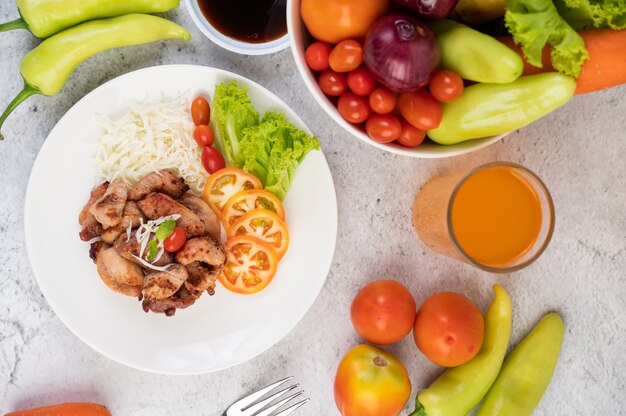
527 371
459 389
47 67
44 18
489 109
475 56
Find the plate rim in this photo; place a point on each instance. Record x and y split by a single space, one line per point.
62 317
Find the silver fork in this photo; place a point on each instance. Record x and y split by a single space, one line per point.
252 405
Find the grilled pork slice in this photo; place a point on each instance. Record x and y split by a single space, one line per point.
205 214
109 266
108 209
161 181
180 300
157 205
204 258
131 216
161 285
202 277
91 227
129 249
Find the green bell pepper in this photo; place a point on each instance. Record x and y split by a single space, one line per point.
475 56
44 18
527 371
47 68
459 389
490 109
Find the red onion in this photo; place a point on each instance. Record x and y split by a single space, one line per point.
430 9
401 52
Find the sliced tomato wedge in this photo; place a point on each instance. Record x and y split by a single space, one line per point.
265 225
246 201
250 265
225 183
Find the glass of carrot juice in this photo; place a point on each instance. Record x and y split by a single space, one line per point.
498 217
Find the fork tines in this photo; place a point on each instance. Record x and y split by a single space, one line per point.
257 405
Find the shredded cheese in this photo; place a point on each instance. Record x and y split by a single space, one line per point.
149 138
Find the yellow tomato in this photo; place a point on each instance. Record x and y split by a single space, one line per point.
371 382
335 20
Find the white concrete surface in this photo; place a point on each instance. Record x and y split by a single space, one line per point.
579 150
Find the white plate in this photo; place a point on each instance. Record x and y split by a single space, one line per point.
215 333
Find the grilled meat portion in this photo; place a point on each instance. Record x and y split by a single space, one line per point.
130 247
202 277
132 215
91 227
161 181
203 250
161 285
180 300
121 270
107 269
108 209
205 214
157 205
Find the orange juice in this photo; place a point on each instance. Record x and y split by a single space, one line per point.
496 216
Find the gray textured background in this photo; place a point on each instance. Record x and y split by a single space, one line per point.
578 150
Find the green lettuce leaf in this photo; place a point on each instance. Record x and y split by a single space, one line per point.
231 113
589 14
535 23
273 151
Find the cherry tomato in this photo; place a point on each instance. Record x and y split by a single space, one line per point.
420 109
410 136
212 159
264 225
353 108
246 201
203 135
316 56
200 111
384 128
361 82
449 329
176 241
227 182
382 100
371 382
346 56
333 83
446 86
383 312
250 265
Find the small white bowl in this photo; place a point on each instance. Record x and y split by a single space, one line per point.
229 43
300 38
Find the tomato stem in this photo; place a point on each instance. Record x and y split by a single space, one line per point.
21 97
380 361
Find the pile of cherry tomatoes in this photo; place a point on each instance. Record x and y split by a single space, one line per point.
388 117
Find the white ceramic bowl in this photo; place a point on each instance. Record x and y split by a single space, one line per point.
229 43
300 38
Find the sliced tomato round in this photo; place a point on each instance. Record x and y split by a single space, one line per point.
250 265
246 201
265 225
225 183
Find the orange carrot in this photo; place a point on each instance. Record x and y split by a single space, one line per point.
65 409
605 68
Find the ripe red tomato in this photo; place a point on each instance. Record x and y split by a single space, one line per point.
176 241
353 108
383 312
200 111
203 135
212 159
384 128
449 329
361 82
382 100
446 86
410 136
333 83
316 56
346 56
420 109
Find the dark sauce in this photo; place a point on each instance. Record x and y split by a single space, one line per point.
252 21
